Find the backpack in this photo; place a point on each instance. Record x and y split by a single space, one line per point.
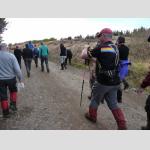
36 51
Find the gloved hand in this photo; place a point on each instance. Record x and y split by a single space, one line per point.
20 86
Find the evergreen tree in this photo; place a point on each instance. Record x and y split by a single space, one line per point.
3 24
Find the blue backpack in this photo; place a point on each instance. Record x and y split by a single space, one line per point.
36 52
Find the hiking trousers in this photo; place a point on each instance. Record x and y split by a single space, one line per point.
19 62
11 85
101 92
44 59
28 62
36 60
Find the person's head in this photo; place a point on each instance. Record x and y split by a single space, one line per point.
120 40
30 42
105 35
61 45
3 47
17 46
42 43
34 45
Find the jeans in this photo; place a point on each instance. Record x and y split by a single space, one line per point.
101 92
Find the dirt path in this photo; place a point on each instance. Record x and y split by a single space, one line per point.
51 101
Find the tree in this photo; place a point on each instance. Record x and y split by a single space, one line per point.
3 24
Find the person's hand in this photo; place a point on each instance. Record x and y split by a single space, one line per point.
22 84
140 90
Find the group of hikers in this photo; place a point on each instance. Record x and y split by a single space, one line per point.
10 69
110 61
31 51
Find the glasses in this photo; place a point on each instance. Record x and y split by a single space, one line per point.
99 35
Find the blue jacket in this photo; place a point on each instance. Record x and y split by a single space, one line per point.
31 46
123 68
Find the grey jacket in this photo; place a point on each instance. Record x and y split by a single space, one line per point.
9 67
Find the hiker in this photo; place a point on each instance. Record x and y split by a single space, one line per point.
84 53
27 56
145 83
36 55
69 56
18 54
31 45
63 56
43 53
123 65
9 70
107 79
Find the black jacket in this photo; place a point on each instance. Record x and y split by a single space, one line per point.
69 53
123 52
18 53
107 56
27 53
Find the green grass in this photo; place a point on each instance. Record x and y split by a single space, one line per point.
78 65
137 73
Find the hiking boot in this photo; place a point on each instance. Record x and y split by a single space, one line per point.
147 127
91 115
62 67
6 113
65 67
28 74
126 85
47 70
89 97
13 106
102 101
6 116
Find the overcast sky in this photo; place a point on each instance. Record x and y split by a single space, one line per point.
25 29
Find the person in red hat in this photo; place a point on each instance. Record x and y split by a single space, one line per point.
107 78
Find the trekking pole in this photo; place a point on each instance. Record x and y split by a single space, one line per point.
82 88
83 83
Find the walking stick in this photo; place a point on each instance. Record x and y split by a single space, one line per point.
82 88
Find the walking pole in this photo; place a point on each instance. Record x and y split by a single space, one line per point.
82 88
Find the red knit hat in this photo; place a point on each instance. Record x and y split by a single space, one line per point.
105 31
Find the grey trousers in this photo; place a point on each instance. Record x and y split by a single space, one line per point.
101 92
